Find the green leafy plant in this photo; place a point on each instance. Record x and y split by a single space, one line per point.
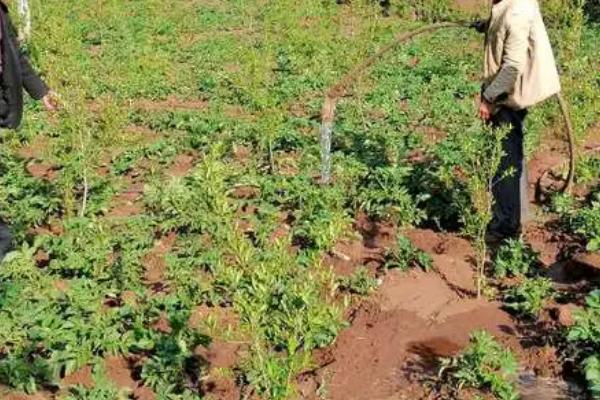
586 333
478 167
514 258
529 297
360 282
405 255
485 364
586 222
384 194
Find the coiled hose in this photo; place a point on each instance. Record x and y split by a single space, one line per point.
339 90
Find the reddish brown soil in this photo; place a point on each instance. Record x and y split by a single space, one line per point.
127 203
34 150
238 113
61 285
544 361
43 170
241 153
83 377
245 192
471 6
120 373
219 354
162 324
589 264
221 389
41 258
377 235
182 165
154 263
402 327
371 357
143 393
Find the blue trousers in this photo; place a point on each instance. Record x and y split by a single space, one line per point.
5 240
510 191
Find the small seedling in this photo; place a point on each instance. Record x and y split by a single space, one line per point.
485 364
360 282
405 256
514 258
530 297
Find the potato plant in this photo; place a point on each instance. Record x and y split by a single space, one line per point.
235 86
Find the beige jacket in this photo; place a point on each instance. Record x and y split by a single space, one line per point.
517 37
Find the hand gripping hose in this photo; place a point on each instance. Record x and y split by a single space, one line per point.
339 90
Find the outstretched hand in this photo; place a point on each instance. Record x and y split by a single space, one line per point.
485 110
50 101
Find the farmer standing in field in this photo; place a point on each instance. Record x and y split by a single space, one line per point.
519 72
16 74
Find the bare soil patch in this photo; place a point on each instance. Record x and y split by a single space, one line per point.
43 170
169 104
155 265
35 150
182 165
219 354
83 377
119 372
471 6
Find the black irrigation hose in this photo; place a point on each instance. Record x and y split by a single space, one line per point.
339 90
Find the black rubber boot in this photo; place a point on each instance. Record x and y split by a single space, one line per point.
5 240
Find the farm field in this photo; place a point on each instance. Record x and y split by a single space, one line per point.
174 241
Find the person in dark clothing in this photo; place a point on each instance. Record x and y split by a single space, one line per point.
519 72
16 75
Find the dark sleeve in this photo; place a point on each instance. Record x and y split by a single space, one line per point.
480 25
502 85
32 83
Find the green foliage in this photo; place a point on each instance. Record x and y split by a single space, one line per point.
485 364
592 374
405 256
207 79
168 370
477 169
360 282
529 297
32 201
514 259
427 10
586 222
384 194
586 333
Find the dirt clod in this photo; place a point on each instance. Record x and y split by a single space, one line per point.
119 372
563 314
83 377
219 354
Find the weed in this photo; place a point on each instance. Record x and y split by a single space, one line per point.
485 364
